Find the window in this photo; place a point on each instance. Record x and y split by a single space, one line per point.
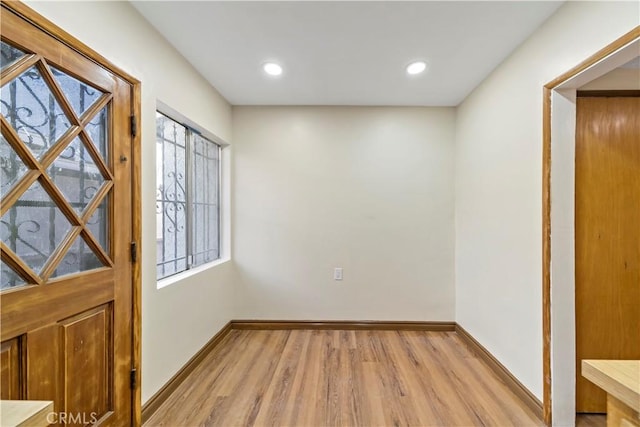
187 197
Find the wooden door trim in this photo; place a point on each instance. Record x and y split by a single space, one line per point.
30 15
546 206
136 205
45 25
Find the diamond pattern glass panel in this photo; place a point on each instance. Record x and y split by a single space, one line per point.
76 175
9 55
9 278
11 167
81 96
31 109
99 222
98 129
34 227
80 257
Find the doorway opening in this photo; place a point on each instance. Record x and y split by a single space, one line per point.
559 279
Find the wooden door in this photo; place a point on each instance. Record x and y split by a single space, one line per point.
66 227
607 207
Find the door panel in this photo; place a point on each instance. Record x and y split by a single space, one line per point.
44 374
87 348
66 271
607 204
10 387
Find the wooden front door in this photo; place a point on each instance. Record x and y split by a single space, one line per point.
607 237
66 229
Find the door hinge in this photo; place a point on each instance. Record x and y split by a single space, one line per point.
134 126
134 378
134 252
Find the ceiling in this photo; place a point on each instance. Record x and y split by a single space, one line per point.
345 53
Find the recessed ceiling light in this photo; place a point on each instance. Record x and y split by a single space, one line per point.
272 68
416 67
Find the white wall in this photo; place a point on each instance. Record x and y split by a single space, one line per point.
201 304
499 184
366 189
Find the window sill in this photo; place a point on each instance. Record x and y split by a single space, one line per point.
167 281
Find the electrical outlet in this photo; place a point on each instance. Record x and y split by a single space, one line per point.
337 273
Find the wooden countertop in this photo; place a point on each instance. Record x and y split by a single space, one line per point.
619 378
14 413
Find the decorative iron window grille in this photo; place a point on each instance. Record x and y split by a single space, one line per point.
187 197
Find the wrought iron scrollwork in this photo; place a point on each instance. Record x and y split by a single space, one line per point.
8 54
38 122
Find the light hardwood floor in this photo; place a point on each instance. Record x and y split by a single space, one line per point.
316 378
